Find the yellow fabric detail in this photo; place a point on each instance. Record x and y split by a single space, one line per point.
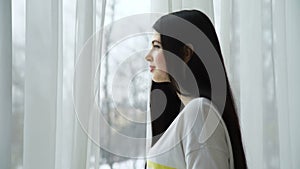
152 165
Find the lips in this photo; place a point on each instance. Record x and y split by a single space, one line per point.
152 68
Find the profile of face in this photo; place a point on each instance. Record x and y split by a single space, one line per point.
156 59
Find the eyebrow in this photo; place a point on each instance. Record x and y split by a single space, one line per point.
155 41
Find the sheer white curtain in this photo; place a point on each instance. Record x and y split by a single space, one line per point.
53 134
258 40
38 123
173 5
85 152
5 83
44 132
48 110
42 82
263 69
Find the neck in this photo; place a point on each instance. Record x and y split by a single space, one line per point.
185 99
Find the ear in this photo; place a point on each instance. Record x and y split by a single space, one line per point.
188 51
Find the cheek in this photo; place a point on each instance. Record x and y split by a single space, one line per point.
160 61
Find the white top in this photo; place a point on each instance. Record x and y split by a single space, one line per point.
196 139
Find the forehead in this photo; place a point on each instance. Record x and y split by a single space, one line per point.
156 36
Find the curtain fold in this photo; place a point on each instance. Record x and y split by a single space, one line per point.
282 83
88 49
5 83
59 147
292 42
277 73
82 82
41 79
259 68
158 6
251 80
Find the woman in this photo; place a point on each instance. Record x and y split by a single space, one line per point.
182 101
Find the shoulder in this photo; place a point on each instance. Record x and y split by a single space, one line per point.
193 130
202 126
190 118
199 105
196 112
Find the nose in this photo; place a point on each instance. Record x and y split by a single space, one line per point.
148 57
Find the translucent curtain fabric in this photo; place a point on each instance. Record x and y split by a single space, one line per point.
251 82
53 135
61 81
5 83
265 62
259 42
87 48
84 29
206 6
291 100
42 83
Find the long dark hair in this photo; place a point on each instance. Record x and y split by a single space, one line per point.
175 47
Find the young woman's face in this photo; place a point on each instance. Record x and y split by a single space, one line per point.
157 62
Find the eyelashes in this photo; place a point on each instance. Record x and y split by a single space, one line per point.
156 46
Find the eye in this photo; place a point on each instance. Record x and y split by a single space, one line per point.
156 46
